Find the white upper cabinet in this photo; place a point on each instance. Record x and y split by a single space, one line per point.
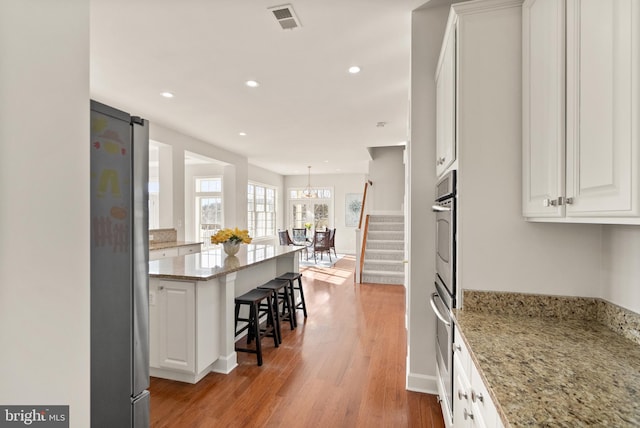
543 95
580 141
446 104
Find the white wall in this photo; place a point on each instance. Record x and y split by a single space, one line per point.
386 171
427 30
235 176
621 266
497 249
341 184
44 174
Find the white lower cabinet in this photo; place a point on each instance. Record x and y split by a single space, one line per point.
175 251
184 328
189 249
176 325
163 254
472 405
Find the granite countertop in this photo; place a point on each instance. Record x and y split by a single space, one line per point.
214 262
170 244
547 371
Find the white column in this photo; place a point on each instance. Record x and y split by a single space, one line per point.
228 357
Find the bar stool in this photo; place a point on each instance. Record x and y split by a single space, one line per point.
281 295
253 299
292 277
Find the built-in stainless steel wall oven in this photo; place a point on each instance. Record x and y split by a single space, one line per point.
443 298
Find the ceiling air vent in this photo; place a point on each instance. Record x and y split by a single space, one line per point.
285 16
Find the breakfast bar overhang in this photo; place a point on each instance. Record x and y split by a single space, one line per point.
191 306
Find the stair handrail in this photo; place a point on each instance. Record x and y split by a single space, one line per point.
364 201
364 246
360 238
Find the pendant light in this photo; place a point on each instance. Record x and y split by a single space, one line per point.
309 192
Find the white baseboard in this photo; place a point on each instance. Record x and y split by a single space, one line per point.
224 364
422 383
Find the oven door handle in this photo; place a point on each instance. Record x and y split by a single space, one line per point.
437 312
439 209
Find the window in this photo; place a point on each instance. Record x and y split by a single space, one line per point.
208 207
261 210
317 211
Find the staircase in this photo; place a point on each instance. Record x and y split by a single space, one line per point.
384 251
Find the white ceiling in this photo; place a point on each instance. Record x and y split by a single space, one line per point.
308 110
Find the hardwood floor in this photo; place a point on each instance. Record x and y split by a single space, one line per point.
342 367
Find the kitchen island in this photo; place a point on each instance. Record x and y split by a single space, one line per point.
554 361
191 306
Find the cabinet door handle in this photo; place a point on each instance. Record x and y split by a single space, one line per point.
161 288
559 201
462 394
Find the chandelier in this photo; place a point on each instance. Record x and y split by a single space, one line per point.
309 192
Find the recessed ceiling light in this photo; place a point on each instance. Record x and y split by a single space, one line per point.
252 83
242 134
354 69
167 94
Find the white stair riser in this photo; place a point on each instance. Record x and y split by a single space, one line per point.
380 279
385 254
386 226
385 245
385 235
383 265
386 218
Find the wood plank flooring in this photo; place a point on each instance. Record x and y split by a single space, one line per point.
342 367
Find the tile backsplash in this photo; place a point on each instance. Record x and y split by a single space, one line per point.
157 236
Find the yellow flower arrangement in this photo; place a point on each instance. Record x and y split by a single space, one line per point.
231 235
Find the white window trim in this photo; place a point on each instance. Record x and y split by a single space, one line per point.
273 233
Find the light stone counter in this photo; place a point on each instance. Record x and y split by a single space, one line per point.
552 362
170 244
214 262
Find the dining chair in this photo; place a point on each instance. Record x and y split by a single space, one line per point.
299 235
332 240
321 244
285 239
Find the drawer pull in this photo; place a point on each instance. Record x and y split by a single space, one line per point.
477 396
468 415
462 394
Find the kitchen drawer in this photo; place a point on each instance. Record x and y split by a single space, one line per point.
461 351
189 249
162 254
481 400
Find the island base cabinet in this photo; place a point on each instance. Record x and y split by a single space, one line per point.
184 338
175 306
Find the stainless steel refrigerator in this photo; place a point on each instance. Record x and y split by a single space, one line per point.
119 269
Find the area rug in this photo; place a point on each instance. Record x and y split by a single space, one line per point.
320 263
